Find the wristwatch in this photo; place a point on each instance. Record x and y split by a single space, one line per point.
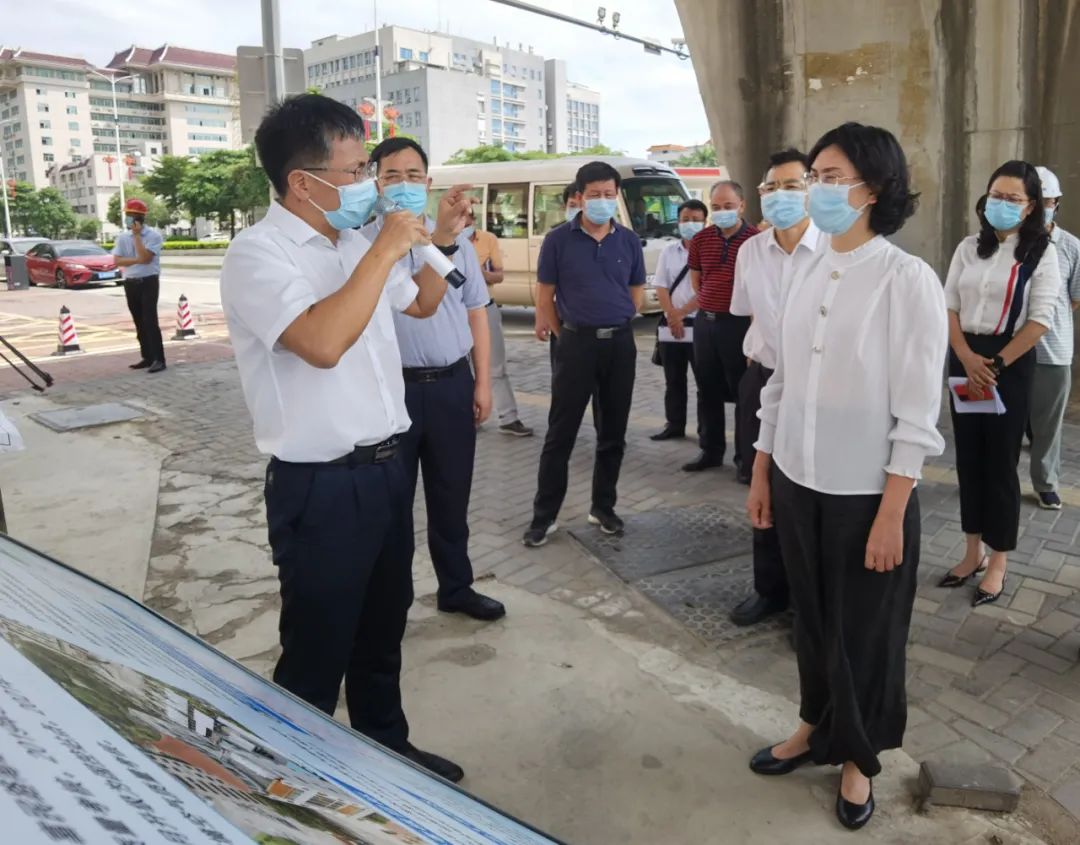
998 364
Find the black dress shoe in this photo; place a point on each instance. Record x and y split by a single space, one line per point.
765 763
951 580
142 365
854 816
156 367
434 763
983 597
669 433
704 460
471 603
754 608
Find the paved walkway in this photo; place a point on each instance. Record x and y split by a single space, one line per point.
1001 683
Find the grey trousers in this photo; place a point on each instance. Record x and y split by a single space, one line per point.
1049 394
501 390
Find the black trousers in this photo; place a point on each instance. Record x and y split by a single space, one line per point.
584 365
770 579
718 341
342 539
676 359
142 301
851 623
988 449
442 442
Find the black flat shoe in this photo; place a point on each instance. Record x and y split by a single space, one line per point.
473 604
755 608
156 367
854 816
142 365
983 597
704 461
669 433
434 763
766 763
951 580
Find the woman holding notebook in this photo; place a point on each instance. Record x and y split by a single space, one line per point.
1001 293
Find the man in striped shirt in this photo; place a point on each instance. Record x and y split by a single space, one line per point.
718 334
1053 357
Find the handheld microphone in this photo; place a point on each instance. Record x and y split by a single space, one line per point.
431 254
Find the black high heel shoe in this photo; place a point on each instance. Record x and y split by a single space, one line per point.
951 580
853 816
983 597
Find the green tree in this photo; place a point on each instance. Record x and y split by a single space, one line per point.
157 215
51 215
703 156
164 181
222 183
20 205
489 153
87 228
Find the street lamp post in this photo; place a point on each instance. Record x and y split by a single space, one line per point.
113 79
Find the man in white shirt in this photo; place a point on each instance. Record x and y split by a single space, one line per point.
308 303
763 272
677 298
1053 356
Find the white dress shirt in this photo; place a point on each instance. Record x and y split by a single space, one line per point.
668 266
982 290
763 274
857 387
273 272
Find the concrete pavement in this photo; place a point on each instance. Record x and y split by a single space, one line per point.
588 711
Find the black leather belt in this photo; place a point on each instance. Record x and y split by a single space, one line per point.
712 316
600 332
377 454
426 375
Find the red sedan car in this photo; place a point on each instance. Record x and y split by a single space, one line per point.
70 263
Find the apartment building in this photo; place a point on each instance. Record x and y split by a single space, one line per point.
452 92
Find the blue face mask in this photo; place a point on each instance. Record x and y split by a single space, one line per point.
411 197
1004 215
600 210
355 202
830 209
690 228
784 209
1048 215
725 219
128 220
571 213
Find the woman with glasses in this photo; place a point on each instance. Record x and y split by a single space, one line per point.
847 420
1001 293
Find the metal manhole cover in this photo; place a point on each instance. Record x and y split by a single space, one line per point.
668 540
702 598
88 416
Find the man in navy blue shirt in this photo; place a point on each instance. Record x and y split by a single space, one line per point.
591 279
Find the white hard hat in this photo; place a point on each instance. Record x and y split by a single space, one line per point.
1051 187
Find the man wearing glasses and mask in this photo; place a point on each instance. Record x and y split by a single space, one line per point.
766 265
446 398
309 306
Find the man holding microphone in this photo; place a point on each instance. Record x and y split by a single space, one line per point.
309 304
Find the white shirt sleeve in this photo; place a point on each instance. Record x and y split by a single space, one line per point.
665 274
952 281
918 340
400 288
1045 288
740 296
262 290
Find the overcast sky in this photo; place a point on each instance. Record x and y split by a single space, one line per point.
646 99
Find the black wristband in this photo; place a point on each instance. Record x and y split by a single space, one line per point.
447 250
998 364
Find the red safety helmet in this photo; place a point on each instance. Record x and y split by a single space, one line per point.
135 206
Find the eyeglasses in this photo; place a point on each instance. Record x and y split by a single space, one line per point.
413 177
795 184
994 195
815 179
360 173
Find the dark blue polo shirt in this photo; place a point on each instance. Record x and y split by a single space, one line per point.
592 278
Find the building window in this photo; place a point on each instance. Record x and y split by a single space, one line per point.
416 93
40 92
496 87
424 56
72 109
73 125
203 136
43 107
46 141
69 95
417 118
75 142
406 54
49 157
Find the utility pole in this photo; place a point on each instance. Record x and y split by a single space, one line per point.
275 58
113 79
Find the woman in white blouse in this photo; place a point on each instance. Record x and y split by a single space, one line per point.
846 422
1001 292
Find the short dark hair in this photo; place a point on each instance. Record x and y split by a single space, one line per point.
730 183
1033 237
789 156
693 205
596 171
880 161
298 132
396 145
568 192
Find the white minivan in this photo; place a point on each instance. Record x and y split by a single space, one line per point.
521 201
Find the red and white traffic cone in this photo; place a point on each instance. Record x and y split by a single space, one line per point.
69 338
185 323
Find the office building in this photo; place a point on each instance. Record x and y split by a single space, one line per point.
454 93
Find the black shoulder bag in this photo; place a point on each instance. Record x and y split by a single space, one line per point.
657 355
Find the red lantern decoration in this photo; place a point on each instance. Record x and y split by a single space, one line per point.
109 161
129 160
